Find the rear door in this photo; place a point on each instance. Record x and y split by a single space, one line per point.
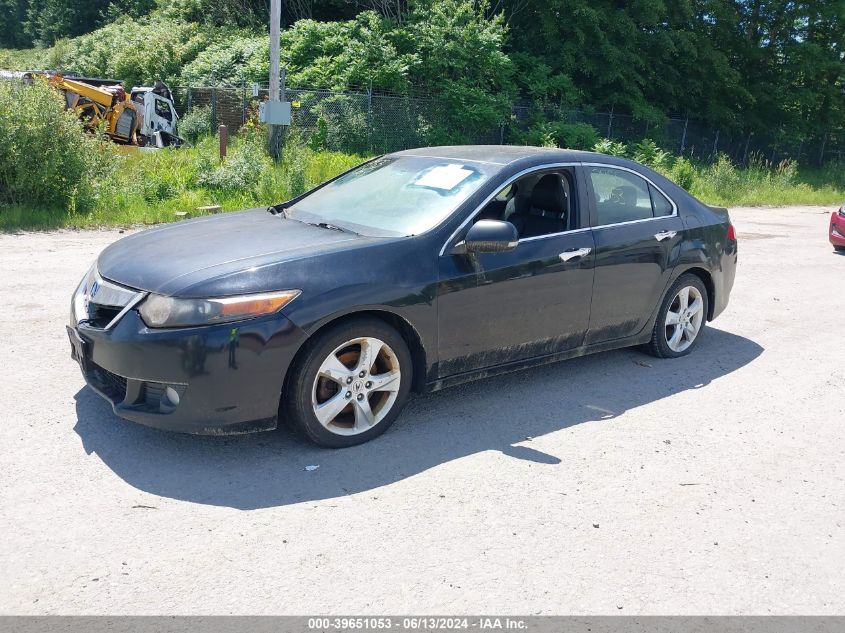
637 232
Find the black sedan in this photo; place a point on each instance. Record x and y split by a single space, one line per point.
412 272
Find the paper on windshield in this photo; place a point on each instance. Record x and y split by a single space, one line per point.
445 177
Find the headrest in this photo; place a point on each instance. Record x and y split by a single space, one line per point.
625 194
549 195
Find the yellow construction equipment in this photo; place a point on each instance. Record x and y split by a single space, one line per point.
146 117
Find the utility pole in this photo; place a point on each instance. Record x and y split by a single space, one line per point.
276 132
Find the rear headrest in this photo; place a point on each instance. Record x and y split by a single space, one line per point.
626 195
549 195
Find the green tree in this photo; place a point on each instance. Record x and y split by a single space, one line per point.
459 58
12 15
49 20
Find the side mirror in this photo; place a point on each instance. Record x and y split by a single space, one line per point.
491 236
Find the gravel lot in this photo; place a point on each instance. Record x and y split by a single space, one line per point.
613 484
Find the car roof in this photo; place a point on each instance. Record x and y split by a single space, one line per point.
510 159
505 154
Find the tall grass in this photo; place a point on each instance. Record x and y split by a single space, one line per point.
722 183
761 183
151 187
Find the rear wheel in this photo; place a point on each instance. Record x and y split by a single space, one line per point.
839 249
681 319
350 383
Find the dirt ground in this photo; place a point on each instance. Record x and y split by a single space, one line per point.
613 484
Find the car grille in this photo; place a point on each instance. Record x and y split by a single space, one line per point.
100 316
105 300
112 385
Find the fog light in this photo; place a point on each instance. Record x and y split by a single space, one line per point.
172 396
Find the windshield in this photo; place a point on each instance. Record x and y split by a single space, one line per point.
392 196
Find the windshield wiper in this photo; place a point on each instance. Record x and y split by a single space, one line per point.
332 227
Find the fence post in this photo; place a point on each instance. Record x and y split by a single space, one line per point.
223 133
370 116
745 152
243 100
821 153
214 107
189 100
716 145
684 137
610 121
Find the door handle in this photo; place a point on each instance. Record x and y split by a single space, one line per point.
579 252
665 235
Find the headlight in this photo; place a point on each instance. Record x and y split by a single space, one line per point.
159 311
77 303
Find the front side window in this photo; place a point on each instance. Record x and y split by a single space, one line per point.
622 196
542 203
162 109
392 196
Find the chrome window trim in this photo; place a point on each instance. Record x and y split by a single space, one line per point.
547 166
544 236
649 181
487 200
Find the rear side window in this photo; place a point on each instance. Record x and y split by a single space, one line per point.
661 204
622 196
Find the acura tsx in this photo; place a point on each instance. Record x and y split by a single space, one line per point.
412 272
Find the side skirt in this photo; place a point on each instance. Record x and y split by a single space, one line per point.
506 368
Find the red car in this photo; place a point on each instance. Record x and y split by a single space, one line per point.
837 229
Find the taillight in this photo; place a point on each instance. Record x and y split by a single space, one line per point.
731 233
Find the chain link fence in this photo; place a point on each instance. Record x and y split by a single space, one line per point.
368 123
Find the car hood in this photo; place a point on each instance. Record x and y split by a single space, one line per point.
177 259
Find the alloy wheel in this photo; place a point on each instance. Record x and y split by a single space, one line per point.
356 386
684 318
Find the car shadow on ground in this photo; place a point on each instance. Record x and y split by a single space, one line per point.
268 469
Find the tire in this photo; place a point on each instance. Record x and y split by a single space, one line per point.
839 249
666 341
326 383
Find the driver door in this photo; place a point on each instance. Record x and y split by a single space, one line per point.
497 308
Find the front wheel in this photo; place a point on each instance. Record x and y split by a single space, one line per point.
681 319
350 383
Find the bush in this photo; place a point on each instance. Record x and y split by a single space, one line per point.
682 173
611 148
562 134
197 122
646 152
722 175
45 157
240 171
135 51
230 61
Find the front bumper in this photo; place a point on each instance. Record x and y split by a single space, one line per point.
228 377
836 231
